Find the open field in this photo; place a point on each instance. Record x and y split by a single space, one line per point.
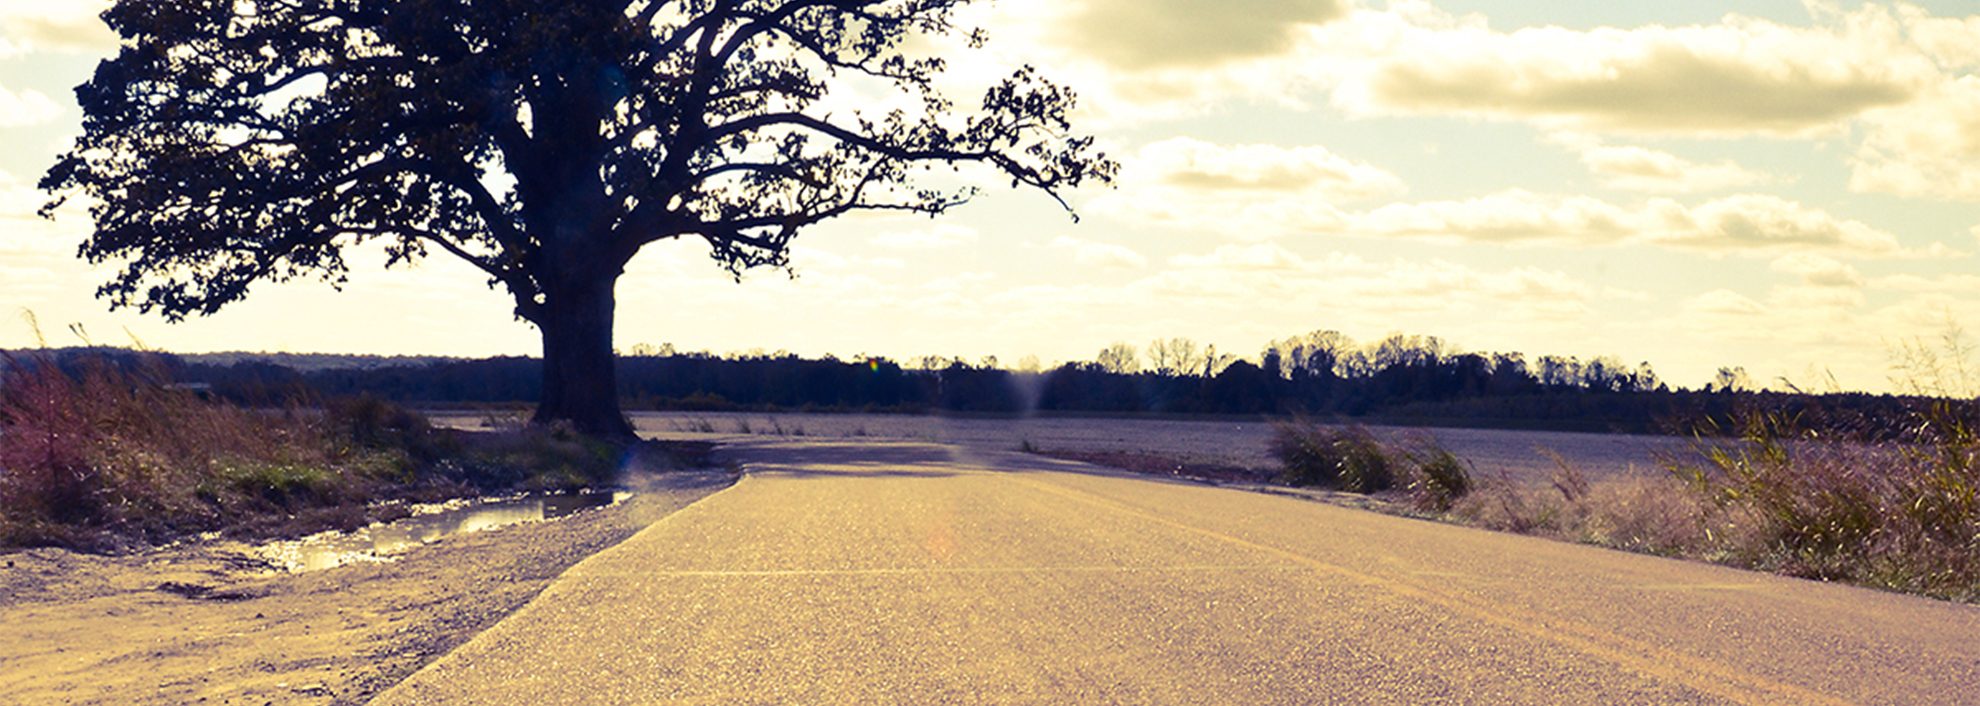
1522 455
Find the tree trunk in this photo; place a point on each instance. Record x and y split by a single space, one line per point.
580 379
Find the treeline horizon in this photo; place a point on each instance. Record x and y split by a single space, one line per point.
1399 379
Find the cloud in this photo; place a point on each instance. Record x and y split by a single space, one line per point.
1759 222
1165 34
23 228
1738 77
1930 149
1633 168
1100 255
936 237
1140 61
71 26
1756 224
1268 272
1193 164
1723 303
1505 217
26 108
1819 271
1960 284
1246 191
1254 256
1947 40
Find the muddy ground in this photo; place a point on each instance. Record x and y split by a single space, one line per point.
210 624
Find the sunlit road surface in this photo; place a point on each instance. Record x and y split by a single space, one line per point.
862 573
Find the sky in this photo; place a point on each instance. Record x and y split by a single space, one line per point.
1789 187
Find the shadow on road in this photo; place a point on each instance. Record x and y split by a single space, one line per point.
842 458
900 459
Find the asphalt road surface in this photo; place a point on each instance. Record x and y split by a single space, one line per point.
869 573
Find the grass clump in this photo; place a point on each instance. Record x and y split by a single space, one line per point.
1352 459
1902 514
1646 514
1340 458
1813 501
1439 478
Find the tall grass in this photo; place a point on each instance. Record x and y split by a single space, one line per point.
1352 459
1782 495
97 455
103 451
1815 496
1902 513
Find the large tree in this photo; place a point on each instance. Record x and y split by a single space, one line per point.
235 141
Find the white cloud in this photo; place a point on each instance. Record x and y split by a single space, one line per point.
1740 223
1739 76
1765 223
935 237
1100 255
26 108
1268 272
1634 168
1246 191
1137 61
1948 40
1958 284
22 229
1140 61
1819 271
1508 216
1757 224
1158 34
1930 149
66 26
1724 302
1192 164
1253 256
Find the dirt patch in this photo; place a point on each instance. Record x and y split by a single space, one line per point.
208 623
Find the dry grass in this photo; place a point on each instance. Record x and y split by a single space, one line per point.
1823 503
1351 459
101 456
1899 515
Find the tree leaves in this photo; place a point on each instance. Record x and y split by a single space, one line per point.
232 141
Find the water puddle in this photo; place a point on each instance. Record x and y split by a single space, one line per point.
429 522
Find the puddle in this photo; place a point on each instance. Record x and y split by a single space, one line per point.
430 522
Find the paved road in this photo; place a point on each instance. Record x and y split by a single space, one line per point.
864 573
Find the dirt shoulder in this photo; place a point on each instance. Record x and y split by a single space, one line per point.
208 624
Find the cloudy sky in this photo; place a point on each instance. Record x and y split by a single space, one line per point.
1792 187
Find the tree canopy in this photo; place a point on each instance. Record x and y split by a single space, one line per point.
235 141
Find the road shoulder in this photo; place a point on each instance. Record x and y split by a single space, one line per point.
202 624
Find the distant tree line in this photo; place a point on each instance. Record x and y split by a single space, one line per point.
1401 379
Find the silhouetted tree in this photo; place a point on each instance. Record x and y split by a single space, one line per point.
1175 357
545 143
1119 359
1733 379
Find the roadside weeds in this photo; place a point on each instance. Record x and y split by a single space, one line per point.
1899 515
